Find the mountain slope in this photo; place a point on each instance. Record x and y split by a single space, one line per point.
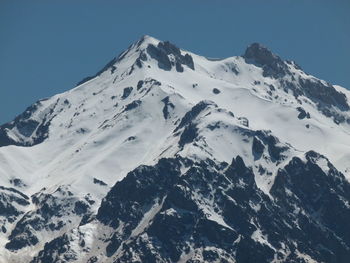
167 156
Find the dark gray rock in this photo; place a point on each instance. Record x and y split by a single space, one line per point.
139 84
188 135
272 65
53 249
322 197
161 54
190 131
126 92
303 114
257 148
193 113
216 91
27 239
132 105
12 205
168 106
275 148
100 182
58 205
325 94
17 182
308 214
33 131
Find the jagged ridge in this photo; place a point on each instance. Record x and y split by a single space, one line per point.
207 155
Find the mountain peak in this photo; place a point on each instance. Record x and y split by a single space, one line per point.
146 40
217 149
165 53
260 54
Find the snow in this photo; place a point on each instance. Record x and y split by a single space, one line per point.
148 216
89 135
258 236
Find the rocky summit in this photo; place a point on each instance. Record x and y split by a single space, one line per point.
168 156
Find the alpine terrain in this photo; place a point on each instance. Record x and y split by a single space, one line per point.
168 156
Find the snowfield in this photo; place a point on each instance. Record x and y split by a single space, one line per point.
154 101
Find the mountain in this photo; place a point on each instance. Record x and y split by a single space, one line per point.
168 156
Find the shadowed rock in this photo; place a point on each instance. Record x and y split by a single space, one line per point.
271 64
161 54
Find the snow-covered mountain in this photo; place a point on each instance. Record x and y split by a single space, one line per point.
167 156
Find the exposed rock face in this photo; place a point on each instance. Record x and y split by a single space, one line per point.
50 215
272 64
26 127
258 148
320 199
217 213
168 106
166 156
133 105
126 92
193 113
303 114
324 95
252 227
60 245
164 50
275 148
12 204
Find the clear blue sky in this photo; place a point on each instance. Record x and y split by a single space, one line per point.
46 47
